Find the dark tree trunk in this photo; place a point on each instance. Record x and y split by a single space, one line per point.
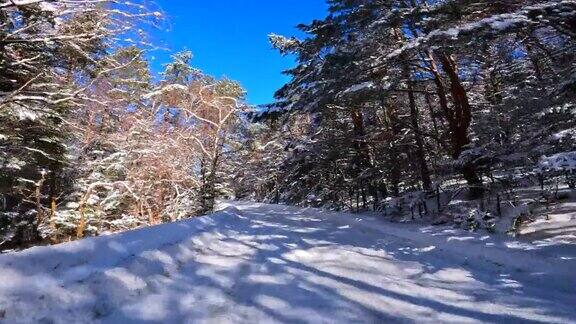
462 112
433 117
459 118
420 153
360 144
208 189
392 125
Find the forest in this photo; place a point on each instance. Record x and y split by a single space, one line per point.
414 161
446 110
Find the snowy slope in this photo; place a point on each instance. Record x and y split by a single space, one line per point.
260 263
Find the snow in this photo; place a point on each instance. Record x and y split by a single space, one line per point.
10 3
272 263
565 161
567 133
25 114
529 15
47 7
166 89
358 87
554 224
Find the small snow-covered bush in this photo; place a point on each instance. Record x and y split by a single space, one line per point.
475 220
565 161
65 222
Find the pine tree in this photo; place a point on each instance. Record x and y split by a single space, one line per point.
50 55
406 92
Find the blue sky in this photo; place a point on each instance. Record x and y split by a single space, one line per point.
229 38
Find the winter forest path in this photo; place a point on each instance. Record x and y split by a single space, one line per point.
270 263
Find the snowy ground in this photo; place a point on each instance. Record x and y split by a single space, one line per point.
260 263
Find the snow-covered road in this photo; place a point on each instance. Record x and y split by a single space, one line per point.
254 263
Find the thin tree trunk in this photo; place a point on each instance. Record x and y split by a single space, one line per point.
433 117
209 185
394 163
360 143
420 153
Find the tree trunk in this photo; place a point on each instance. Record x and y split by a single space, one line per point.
433 118
206 200
360 143
462 112
208 191
459 118
420 154
392 125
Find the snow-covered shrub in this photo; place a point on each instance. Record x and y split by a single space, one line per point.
10 224
123 223
393 206
517 223
571 180
476 219
563 163
64 222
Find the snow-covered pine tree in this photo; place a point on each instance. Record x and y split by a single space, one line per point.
50 54
393 89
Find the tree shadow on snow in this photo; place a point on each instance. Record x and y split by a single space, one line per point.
276 263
